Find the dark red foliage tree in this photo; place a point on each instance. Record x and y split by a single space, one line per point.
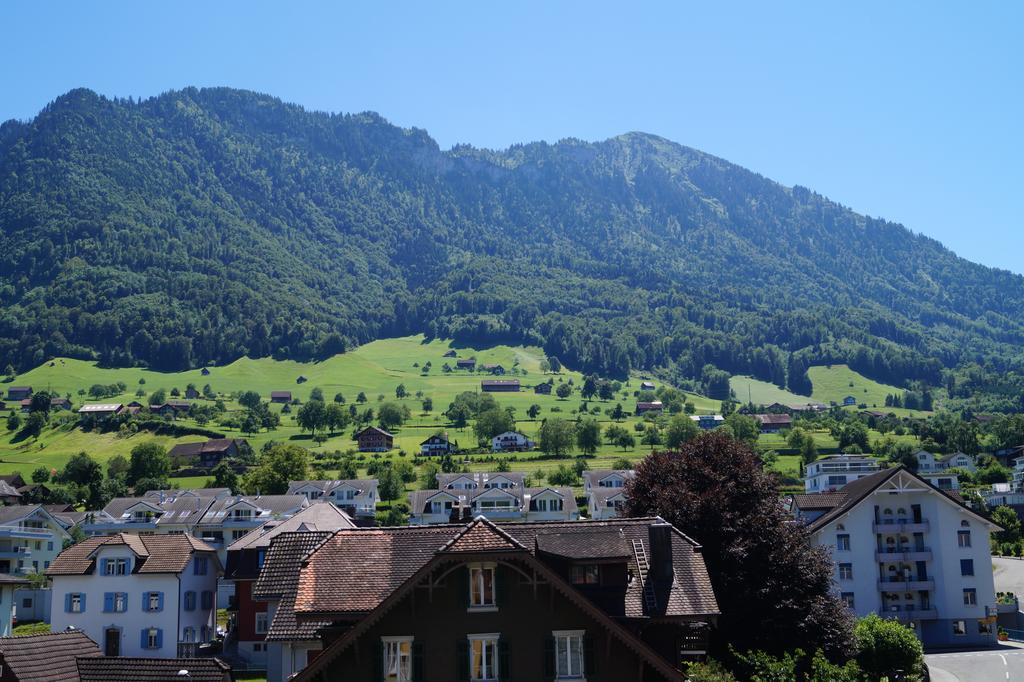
772 587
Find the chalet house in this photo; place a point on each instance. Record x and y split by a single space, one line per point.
158 511
58 403
47 657
191 394
19 393
849 400
280 396
605 491
500 385
543 389
30 539
644 407
807 407
511 441
497 370
905 550
206 454
708 421
357 497
13 480
437 445
138 595
245 558
25 405
373 439
498 496
466 363
134 407
622 601
9 495
171 409
205 371
773 423
646 385
450 354
101 410
121 669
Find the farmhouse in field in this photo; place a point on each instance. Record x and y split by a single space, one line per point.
206 454
450 353
849 400
191 393
500 385
438 444
497 370
373 439
511 441
465 363
100 410
543 389
19 393
708 421
649 406
773 423
280 396
171 409
646 385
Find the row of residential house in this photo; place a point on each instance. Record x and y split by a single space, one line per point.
832 472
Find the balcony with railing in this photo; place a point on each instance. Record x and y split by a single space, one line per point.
900 525
15 552
905 583
25 532
906 613
903 553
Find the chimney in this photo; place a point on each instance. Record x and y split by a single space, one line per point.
661 550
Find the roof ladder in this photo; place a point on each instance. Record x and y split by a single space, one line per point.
650 601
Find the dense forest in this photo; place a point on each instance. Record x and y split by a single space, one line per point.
203 225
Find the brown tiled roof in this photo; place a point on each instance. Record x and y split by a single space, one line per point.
123 669
480 536
48 657
374 429
829 500
198 448
158 553
780 419
602 544
279 579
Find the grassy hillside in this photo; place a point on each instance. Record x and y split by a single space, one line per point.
834 382
763 393
375 369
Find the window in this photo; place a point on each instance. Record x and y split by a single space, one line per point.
963 538
201 565
984 628
837 480
483 657
154 601
397 652
586 574
959 627
75 602
568 654
207 600
115 602
190 601
26 603
843 542
259 647
189 634
481 586
545 505
151 638
49 546
115 567
967 567
970 597
847 598
846 571
261 623
260 557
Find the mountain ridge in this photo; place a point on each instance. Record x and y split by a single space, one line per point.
205 224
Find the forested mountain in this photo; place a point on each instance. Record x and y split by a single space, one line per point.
202 225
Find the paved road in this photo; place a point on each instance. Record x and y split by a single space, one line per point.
1009 575
997 665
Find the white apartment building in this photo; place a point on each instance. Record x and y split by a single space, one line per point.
500 496
906 550
151 596
605 492
30 539
928 463
357 497
832 472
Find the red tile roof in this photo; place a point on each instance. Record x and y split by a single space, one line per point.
48 657
157 553
123 669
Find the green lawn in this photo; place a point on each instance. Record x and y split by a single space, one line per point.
749 389
31 629
833 383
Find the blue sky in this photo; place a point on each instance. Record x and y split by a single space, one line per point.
909 111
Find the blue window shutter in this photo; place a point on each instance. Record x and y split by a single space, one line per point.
67 603
145 601
144 639
108 602
103 566
160 601
83 602
125 595
159 639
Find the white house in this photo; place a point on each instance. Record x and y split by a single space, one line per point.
158 511
498 496
928 463
357 497
832 472
708 421
30 539
147 596
906 550
604 489
8 585
511 441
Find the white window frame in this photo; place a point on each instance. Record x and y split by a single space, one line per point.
76 602
845 571
963 539
490 638
392 651
120 602
261 625
151 638
152 601
477 587
961 626
572 670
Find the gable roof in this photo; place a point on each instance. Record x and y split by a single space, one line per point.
156 553
482 536
12 513
319 516
122 669
374 429
214 445
49 657
859 490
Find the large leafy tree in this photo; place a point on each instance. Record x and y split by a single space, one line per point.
275 468
148 461
763 568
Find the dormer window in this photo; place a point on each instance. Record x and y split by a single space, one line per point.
586 574
115 567
545 504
